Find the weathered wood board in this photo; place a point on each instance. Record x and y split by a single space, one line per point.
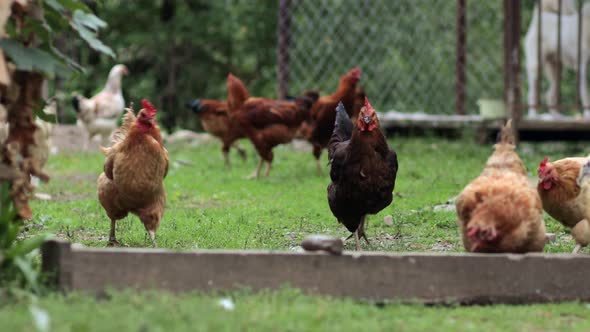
431 121
427 278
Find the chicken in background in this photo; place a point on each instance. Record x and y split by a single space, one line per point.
134 170
363 170
499 211
564 190
269 122
100 113
215 120
359 102
237 94
44 145
323 114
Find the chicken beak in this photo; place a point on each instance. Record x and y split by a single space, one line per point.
367 119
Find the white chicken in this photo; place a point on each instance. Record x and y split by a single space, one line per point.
100 113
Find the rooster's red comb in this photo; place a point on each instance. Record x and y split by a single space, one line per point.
150 110
543 164
356 72
368 107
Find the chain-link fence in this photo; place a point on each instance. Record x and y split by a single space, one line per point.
406 49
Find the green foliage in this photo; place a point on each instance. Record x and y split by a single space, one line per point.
30 47
16 258
180 50
59 16
31 59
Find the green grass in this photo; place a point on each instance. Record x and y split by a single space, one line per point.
210 206
285 310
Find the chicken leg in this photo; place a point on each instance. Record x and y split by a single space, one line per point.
268 165
359 234
226 159
152 236
581 233
112 239
361 230
357 243
241 151
256 173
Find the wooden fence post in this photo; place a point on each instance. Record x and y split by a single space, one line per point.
512 62
284 36
461 58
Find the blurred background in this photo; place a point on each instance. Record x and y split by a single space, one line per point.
177 50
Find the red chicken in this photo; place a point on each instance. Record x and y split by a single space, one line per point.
268 123
363 170
323 114
134 170
215 120
237 93
499 211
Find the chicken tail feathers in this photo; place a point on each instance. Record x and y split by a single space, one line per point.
237 93
342 125
121 133
76 103
507 133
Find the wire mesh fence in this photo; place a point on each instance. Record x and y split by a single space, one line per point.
406 49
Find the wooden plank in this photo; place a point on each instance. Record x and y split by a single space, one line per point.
427 121
427 278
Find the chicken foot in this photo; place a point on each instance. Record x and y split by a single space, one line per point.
359 234
256 173
152 236
361 230
112 239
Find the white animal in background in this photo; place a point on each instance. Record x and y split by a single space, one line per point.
569 51
100 113
45 127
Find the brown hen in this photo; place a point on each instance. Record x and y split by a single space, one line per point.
134 170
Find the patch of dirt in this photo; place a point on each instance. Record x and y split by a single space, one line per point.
301 145
443 246
81 236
